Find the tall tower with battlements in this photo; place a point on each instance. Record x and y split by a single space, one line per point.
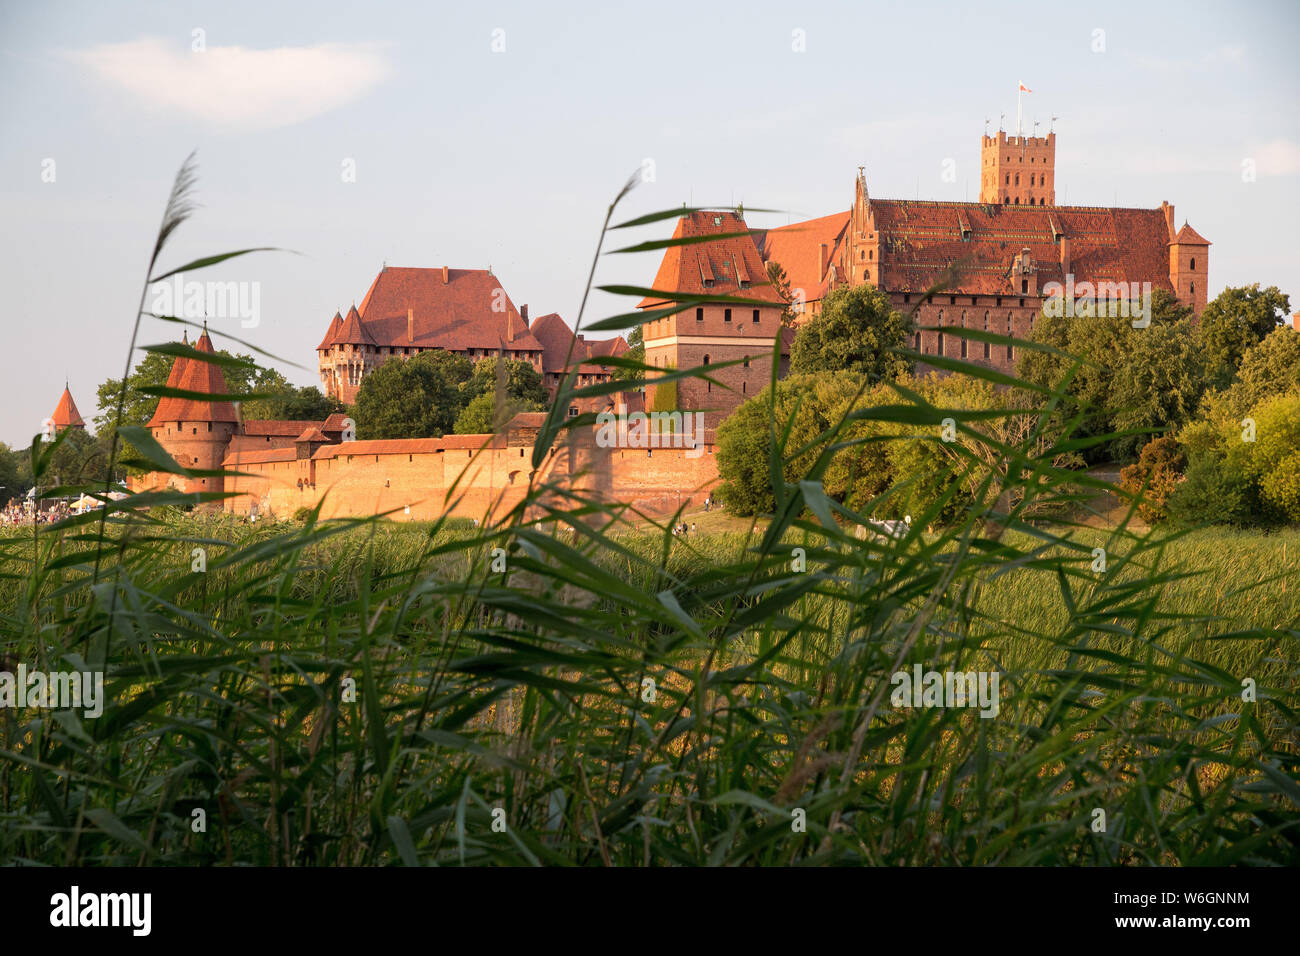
1018 170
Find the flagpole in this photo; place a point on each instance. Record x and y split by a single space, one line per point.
1019 87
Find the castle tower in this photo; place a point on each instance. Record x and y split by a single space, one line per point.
66 414
1018 170
1189 266
195 433
862 248
711 333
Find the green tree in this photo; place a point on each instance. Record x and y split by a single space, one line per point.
745 442
1235 321
13 483
1270 368
635 352
1159 385
856 331
521 380
779 281
420 397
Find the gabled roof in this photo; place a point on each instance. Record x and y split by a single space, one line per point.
353 331
312 434
723 264
195 375
556 338
453 309
919 239
797 248
331 333
65 413
1187 236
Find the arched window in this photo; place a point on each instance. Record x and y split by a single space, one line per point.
1008 179
986 328
939 350
1017 179
708 386
871 254
1010 332
1193 288
1031 179
1193 263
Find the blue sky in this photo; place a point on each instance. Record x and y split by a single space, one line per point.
469 157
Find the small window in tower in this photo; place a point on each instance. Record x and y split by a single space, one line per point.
726 315
194 430
871 254
1024 285
210 423
939 350
1008 179
1031 179
756 316
1193 288
1193 263
746 365
1042 201
744 388
706 360
699 315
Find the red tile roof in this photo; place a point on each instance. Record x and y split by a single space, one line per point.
453 309
65 413
556 338
797 248
277 428
403 446
353 331
919 239
331 333
263 457
311 434
195 375
1187 236
712 267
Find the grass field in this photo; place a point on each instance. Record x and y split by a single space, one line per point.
507 717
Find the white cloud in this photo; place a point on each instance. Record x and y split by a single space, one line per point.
236 88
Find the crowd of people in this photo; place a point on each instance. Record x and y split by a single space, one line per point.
16 513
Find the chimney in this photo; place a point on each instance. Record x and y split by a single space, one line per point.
1065 255
410 325
445 275
821 261
1168 210
523 312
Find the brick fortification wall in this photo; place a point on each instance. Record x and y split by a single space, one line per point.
489 476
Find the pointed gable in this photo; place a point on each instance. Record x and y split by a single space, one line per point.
731 266
1187 236
65 413
195 375
336 325
353 331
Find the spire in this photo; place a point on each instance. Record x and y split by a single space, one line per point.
65 413
195 375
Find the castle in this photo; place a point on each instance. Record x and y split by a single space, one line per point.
996 259
465 311
999 256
